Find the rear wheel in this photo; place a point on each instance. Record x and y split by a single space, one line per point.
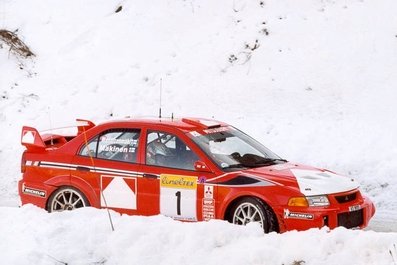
66 199
250 209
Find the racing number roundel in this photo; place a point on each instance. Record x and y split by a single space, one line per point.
178 196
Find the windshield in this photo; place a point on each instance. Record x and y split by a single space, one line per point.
231 149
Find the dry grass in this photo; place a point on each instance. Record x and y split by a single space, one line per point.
16 45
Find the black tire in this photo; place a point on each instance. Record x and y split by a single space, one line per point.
66 199
251 209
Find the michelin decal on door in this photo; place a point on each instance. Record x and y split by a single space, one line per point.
178 196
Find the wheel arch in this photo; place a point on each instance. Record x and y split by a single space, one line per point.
86 189
74 182
67 188
227 214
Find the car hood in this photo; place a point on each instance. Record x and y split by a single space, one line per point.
309 180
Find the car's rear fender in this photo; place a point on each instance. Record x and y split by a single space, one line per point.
58 181
77 183
86 189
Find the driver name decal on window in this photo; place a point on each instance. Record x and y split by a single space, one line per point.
118 145
117 149
127 141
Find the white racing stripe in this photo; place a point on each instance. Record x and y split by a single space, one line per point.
91 168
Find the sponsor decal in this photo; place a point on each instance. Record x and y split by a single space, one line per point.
34 192
294 215
208 203
208 192
202 179
216 130
178 197
208 209
354 208
178 182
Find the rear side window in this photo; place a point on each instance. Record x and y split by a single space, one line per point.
117 144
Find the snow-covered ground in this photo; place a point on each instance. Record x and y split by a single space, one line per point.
85 237
314 80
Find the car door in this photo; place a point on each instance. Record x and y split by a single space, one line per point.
171 184
109 164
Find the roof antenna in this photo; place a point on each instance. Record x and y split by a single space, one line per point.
161 87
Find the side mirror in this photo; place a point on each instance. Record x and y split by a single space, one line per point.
201 166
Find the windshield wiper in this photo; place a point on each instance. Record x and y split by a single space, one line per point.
258 162
280 159
269 160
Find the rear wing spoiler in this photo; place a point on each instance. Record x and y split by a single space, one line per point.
83 125
31 138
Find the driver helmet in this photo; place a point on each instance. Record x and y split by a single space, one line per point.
158 148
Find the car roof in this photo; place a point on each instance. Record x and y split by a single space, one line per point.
185 124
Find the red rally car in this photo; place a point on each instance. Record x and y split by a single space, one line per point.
189 169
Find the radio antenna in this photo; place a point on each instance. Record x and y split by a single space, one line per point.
161 87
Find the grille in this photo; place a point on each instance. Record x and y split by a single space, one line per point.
346 198
350 219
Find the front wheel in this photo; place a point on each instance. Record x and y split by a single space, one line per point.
250 209
66 199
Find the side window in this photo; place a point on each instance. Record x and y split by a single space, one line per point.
118 145
90 149
167 150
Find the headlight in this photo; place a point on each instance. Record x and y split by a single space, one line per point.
309 201
318 200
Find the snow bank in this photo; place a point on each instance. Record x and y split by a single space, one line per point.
84 236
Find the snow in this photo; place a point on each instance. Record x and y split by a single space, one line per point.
84 236
312 80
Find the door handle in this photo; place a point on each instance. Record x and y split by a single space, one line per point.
85 169
150 176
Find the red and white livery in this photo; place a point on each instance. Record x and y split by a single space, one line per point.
189 169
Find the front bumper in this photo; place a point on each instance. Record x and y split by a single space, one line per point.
356 214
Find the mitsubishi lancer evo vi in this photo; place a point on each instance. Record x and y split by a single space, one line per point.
189 169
